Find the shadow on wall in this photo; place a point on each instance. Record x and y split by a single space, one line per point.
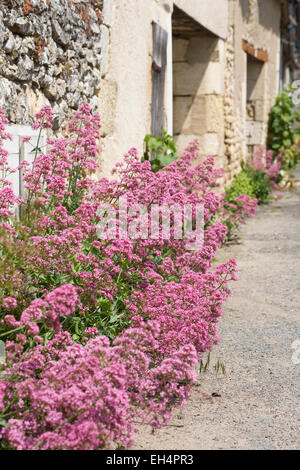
198 100
267 14
256 116
245 9
190 69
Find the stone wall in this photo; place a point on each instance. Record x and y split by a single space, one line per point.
198 93
125 96
233 130
212 14
250 85
50 53
65 52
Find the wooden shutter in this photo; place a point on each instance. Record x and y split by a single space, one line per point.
159 63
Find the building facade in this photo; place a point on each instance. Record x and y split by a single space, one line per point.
221 73
206 69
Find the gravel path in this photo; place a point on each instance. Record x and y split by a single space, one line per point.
259 406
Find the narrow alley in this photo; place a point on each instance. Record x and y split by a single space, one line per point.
259 402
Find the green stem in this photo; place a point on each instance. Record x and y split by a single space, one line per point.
12 331
119 275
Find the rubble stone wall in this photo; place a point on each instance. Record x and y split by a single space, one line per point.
233 124
51 52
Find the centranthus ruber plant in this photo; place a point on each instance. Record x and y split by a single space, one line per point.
102 333
268 163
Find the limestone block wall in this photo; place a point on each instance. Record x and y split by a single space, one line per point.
51 52
198 79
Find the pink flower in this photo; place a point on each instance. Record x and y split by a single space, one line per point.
9 303
44 118
158 301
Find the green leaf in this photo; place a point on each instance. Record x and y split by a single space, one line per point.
4 423
287 142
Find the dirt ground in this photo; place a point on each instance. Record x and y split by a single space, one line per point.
259 402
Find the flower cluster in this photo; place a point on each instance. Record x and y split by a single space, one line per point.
92 396
102 333
234 213
268 163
